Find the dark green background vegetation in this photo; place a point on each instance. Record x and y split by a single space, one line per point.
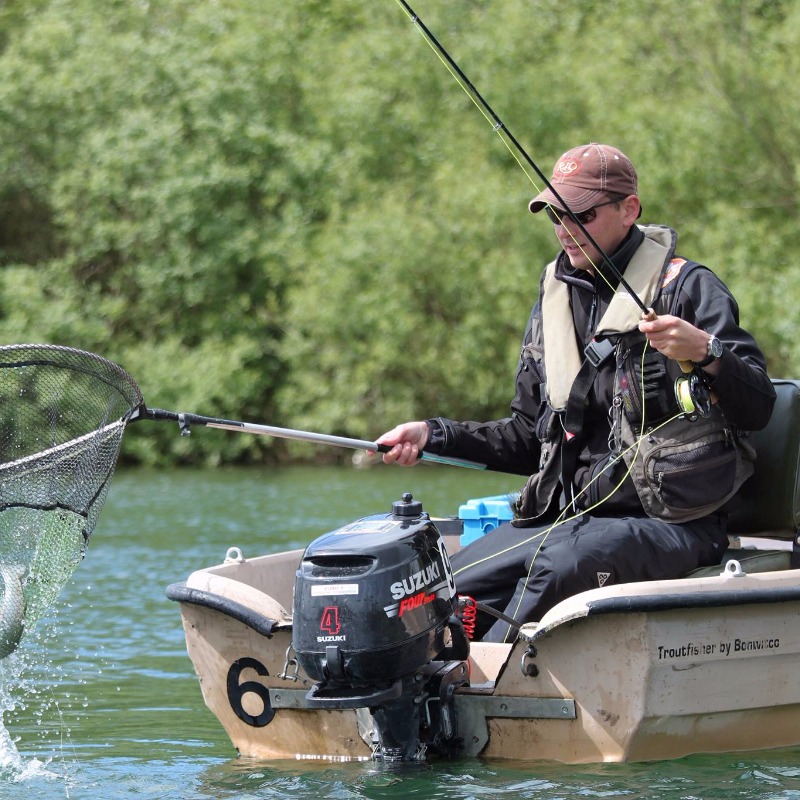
289 212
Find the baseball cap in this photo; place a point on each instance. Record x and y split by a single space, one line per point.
585 176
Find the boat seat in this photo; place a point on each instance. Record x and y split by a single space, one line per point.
769 504
750 560
771 496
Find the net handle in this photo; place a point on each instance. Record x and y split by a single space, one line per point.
119 379
185 421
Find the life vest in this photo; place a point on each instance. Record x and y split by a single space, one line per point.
683 466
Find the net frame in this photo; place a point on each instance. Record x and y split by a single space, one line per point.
63 412
62 415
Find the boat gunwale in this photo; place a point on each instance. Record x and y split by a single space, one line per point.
181 593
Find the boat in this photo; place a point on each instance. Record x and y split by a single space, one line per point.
641 671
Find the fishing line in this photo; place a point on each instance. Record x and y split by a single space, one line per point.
684 388
501 129
576 516
561 519
688 391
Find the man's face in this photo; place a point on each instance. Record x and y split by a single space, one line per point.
609 227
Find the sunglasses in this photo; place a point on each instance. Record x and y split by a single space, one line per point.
556 215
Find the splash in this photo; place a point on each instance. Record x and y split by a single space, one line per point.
14 687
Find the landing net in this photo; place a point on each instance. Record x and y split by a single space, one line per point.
62 415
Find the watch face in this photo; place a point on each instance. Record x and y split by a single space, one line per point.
715 347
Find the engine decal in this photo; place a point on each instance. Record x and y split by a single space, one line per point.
448 570
329 622
415 601
415 582
441 590
333 589
370 526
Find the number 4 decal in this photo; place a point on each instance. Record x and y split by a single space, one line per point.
330 620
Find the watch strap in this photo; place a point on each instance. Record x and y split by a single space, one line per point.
706 361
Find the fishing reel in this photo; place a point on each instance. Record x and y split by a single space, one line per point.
692 393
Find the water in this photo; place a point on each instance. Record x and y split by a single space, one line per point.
101 701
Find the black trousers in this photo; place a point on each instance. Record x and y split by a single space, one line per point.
524 572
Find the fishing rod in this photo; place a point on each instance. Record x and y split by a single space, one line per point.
185 421
500 128
691 392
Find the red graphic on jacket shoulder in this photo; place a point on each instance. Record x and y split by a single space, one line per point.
672 271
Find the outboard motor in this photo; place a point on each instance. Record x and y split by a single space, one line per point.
375 625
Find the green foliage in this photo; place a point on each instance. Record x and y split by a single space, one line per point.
291 213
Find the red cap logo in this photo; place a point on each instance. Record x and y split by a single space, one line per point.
566 168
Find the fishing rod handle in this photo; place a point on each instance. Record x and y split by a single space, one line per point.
686 366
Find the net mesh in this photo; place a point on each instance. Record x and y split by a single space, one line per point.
62 415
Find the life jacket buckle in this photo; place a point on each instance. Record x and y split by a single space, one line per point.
597 351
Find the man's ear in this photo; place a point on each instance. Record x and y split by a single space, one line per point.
632 208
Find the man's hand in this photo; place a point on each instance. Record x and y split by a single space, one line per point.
678 339
406 440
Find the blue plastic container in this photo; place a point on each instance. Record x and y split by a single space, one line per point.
484 514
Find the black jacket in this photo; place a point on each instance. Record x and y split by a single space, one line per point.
742 386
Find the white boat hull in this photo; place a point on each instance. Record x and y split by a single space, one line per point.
631 672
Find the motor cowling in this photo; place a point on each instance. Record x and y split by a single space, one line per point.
373 600
375 625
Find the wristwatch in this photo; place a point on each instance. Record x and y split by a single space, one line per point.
714 352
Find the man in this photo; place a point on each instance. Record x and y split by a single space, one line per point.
630 427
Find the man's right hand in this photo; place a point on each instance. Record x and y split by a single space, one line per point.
406 441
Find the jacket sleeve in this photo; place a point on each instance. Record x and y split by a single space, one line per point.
505 445
744 391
